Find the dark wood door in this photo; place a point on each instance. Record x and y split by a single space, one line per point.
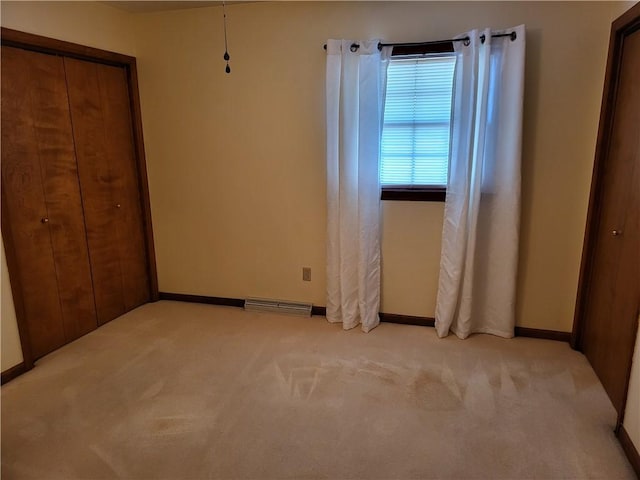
610 283
102 126
42 208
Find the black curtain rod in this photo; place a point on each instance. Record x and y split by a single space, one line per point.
466 40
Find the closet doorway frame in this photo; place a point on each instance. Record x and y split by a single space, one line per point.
626 24
51 46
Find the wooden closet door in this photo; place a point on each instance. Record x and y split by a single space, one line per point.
100 109
612 305
42 207
611 285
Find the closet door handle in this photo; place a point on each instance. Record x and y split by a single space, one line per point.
44 220
616 233
118 205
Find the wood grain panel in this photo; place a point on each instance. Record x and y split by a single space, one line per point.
64 204
98 184
128 64
612 301
114 98
103 131
121 284
132 78
23 193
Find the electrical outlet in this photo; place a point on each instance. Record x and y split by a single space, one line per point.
306 274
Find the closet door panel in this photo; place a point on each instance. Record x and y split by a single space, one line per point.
100 107
98 185
116 108
42 209
611 312
65 212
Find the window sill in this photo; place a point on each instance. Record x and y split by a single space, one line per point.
414 194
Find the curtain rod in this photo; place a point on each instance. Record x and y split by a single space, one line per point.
466 40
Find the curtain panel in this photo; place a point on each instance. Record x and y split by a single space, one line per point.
477 283
355 87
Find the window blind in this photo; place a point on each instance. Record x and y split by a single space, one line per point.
417 117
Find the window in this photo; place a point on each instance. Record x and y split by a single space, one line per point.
416 130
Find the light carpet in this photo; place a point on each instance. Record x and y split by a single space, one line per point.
186 391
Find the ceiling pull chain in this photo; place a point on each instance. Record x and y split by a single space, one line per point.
226 50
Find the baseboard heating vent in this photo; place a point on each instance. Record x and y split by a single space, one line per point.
281 306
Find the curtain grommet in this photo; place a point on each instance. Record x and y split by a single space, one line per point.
354 47
466 42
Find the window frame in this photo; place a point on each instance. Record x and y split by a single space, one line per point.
417 193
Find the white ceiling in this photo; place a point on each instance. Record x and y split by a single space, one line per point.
154 6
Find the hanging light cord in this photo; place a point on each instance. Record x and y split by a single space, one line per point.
226 50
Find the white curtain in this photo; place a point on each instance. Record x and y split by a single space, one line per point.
355 100
477 285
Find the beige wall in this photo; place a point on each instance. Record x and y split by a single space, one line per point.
11 352
632 411
88 23
236 162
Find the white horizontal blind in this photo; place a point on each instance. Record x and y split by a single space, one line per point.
417 117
